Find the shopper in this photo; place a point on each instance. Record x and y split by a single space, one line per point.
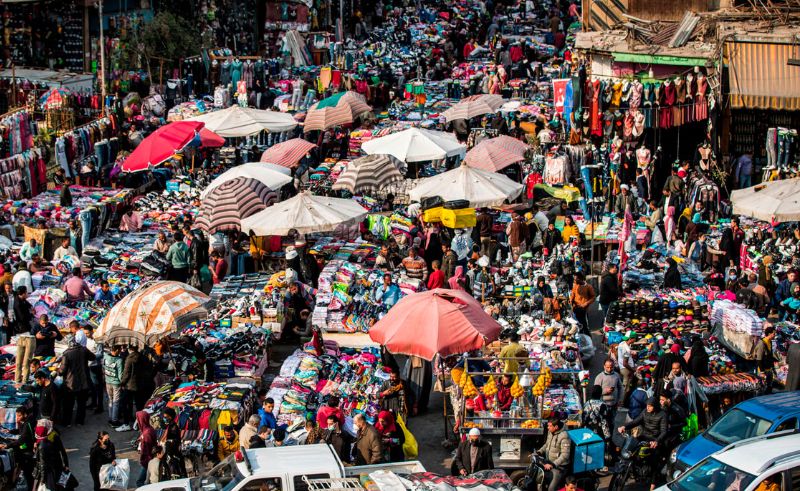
611 384
112 370
73 369
609 288
22 447
339 440
331 408
392 437
147 444
155 470
22 278
249 429
130 387
313 432
49 396
582 297
101 453
368 448
51 457
179 259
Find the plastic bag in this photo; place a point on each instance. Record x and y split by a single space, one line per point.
115 477
410 447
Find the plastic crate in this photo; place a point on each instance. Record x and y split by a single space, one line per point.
432 215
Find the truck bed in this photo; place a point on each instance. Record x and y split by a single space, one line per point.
409 467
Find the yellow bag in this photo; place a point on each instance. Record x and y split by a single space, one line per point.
410 448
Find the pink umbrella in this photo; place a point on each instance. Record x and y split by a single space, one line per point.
496 154
162 144
444 322
288 153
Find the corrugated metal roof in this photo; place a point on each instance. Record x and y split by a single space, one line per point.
761 78
685 30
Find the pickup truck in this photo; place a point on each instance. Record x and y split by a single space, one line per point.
277 469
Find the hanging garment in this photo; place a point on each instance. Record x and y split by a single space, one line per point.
236 72
596 120
701 102
680 99
691 89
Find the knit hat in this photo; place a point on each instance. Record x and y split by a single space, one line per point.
474 432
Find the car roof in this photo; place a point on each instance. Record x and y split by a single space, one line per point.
305 459
773 406
760 454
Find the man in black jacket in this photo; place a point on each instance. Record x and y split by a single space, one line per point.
654 430
338 439
74 369
49 402
609 288
23 446
473 454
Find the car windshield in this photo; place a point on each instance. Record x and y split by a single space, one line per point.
222 477
737 425
711 474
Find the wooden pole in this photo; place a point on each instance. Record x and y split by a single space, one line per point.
13 86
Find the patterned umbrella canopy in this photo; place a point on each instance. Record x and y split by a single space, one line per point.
274 177
151 313
288 153
56 97
231 202
368 174
467 109
336 110
496 153
305 213
494 101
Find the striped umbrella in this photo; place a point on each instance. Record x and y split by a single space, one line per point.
231 202
467 110
288 153
336 110
494 101
151 313
369 174
496 153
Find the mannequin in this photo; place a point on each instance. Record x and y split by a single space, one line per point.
705 156
236 71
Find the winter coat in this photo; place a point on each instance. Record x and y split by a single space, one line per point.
557 448
368 448
129 378
74 363
483 460
654 425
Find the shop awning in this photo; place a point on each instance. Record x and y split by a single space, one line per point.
761 78
658 59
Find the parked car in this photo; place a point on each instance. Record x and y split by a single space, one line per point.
751 418
768 462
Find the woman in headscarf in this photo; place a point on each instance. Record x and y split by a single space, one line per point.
101 453
596 415
51 457
672 278
458 281
148 440
698 359
392 437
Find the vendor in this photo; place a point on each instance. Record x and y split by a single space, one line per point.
513 354
46 334
387 293
504 397
28 249
162 243
76 288
394 395
104 293
131 221
570 230
415 265
64 250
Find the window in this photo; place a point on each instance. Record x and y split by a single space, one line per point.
300 484
737 425
789 424
267 484
771 483
794 472
712 474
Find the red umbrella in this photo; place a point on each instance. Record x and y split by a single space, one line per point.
288 153
209 139
441 321
162 144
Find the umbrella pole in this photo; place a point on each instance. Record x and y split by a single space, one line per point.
444 404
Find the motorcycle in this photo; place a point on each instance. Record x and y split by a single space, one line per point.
635 463
538 479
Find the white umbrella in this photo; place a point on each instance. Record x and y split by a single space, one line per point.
265 173
416 145
245 121
305 213
777 201
479 187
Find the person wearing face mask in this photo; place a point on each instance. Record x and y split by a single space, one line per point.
102 453
368 448
672 277
336 438
474 454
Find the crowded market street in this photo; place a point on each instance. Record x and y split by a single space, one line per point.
304 245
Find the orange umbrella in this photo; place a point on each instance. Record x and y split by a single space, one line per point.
444 322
